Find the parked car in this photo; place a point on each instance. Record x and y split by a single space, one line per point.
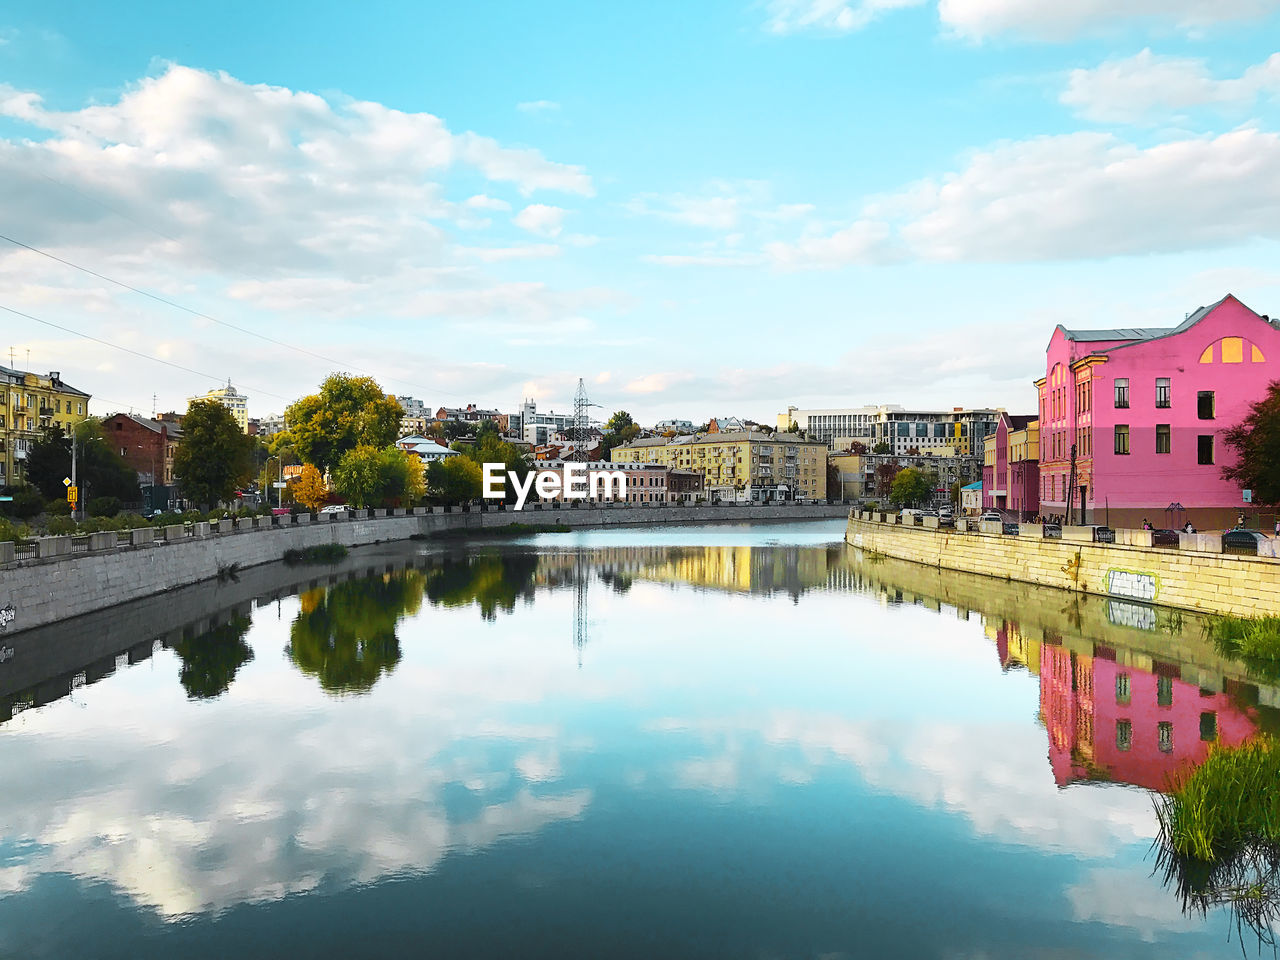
1165 538
992 515
1013 528
1242 541
335 508
1104 535
946 520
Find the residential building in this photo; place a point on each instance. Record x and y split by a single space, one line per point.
686 486
426 449
540 428
971 499
414 426
905 431
473 414
756 466
233 400
725 425
673 426
1011 468
29 404
269 426
870 474
1131 419
646 482
147 446
413 407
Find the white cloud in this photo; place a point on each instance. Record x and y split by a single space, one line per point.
828 16
482 202
1048 20
538 106
1071 197
1028 19
530 251
703 260
540 219
1147 86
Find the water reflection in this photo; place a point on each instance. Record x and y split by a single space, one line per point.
745 713
345 635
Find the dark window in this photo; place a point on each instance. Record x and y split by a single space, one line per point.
1164 392
1122 438
1164 691
1208 725
1204 447
1204 405
1124 734
1122 392
1162 438
1164 734
1122 689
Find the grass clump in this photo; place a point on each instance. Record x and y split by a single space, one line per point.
1253 640
321 553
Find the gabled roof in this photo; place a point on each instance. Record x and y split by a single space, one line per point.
1134 335
155 426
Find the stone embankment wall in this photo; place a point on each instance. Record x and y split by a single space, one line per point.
1196 577
59 583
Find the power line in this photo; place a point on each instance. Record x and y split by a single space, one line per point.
136 353
196 313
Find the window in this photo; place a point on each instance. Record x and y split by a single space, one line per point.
1163 441
1164 691
1122 689
1164 392
1122 392
1208 725
1122 439
1204 405
1164 734
1124 734
1204 449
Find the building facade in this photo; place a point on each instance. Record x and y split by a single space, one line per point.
904 431
30 403
673 426
757 466
1131 420
1011 468
539 428
645 482
147 446
233 400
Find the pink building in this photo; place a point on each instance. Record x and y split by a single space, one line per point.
1011 468
1131 420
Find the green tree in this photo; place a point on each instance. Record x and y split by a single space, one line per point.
881 447
100 470
491 581
619 430
49 462
345 635
380 478
454 480
619 421
910 486
358 477
214 456
210 661
491 448
1256 442
453 429
347 412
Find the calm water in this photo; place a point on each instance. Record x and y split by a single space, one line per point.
713 742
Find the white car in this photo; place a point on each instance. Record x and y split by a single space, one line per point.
335 508
992 516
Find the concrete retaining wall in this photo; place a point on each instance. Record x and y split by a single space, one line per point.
1209 582
58 584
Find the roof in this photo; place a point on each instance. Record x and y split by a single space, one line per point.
421 445
1142 334
58 383
976 485
155 426
1021 421
733 436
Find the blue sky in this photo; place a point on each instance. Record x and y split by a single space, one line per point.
702 209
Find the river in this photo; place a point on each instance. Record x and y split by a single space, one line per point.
723 741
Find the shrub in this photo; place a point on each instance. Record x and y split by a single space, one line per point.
58 508
103 506
27 503
10 531
61 526
322 553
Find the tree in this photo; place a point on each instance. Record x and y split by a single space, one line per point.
857 447
910 486
1256 441
347 412
616 438
379 478
619 421
309 489
881 447
99 468
214 456
453 429
793 427
885 472
454 480
210 661
954 494
835 487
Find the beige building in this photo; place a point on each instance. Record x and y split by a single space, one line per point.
233 400
29 403
751 464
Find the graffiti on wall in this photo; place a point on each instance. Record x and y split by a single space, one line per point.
1133 584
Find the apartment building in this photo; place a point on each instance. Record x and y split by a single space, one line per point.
147 446
646 482
30 403
537 428
233 400
1011 468
752 465
902 429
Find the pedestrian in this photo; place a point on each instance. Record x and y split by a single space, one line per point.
1190 529
1278 526
1240 520
1146 524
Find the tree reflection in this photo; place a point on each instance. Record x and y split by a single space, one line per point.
491 581
345 635
210 661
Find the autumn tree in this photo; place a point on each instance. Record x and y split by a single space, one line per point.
347 412
309 489
1256 441
214 455
454 480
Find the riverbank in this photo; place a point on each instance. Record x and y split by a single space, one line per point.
71 576
1182 579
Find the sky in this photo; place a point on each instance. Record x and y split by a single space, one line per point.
701 209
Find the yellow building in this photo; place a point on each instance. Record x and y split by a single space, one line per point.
30 403
233 400
748 464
